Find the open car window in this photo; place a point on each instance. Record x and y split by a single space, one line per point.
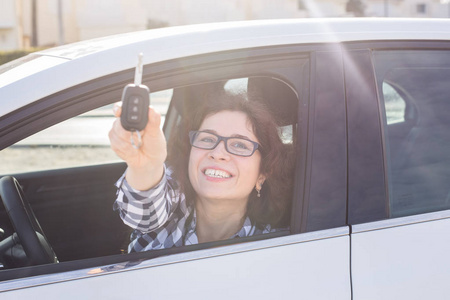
73 169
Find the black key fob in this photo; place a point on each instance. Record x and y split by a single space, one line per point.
135 103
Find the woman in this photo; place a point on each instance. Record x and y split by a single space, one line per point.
228 176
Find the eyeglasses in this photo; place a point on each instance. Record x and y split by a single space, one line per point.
234 145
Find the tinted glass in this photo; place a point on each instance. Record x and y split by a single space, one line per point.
415 91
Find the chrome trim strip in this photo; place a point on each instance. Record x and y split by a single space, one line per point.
402 221
171 259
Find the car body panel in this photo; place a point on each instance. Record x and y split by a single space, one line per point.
405 256
237 271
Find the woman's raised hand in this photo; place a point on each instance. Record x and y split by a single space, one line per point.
146 163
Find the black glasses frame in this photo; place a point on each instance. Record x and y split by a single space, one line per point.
194 133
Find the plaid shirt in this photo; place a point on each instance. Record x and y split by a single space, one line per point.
161 217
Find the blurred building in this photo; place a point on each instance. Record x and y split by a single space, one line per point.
10 31
43 23
408 8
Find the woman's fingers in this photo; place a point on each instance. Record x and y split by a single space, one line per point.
117 109
152 150
120 140
119 131
154 122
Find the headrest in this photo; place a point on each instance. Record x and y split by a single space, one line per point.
278 96
275 94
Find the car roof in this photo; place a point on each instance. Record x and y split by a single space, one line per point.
46 72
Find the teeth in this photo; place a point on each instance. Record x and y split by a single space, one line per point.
216 173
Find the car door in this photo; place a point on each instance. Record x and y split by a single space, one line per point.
399 200
311 260
67 177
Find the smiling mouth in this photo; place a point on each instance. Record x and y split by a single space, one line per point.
217 173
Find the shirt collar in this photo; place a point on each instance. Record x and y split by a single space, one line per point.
191 235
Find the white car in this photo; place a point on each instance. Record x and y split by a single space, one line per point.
365 103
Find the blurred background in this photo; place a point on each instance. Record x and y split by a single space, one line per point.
29 24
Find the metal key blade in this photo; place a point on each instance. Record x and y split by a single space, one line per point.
138 71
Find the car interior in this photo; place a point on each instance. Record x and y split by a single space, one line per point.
56 220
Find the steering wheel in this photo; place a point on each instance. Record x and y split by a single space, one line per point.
32 238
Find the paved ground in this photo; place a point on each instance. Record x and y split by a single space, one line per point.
25 159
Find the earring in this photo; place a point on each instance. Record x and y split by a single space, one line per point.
258 192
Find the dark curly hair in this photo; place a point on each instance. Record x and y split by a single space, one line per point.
277 159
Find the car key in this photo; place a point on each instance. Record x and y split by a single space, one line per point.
135 102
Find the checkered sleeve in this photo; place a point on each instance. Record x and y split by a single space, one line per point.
148 210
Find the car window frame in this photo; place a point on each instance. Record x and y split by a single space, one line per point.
160 76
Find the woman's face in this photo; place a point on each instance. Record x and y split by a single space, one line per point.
230 177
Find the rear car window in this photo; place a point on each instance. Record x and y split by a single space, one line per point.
414 87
